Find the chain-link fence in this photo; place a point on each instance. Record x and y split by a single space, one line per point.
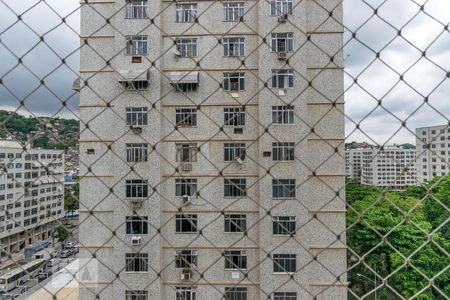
201 150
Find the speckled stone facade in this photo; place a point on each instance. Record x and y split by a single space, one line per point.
319 170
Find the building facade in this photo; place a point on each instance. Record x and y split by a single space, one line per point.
211 149
391 167
433 152
31 194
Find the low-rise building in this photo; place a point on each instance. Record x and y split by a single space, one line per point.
433 152
392 167
31 194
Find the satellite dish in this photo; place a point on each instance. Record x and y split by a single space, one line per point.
239 160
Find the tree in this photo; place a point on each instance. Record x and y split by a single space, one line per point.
62 233
405 221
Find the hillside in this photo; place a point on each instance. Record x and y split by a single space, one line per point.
48 133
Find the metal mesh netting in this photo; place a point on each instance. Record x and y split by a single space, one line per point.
206 149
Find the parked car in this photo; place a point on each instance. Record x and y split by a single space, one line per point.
65 254
76 249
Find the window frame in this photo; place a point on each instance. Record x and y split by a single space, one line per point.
142 223
288 38
185 293
232 187
186 13
283 151
280 7
234 223
231 151
236 293
136 189
180 223
183 115
137 45
230 9
187 47
285 296
136 116
233 46
283 115
191 148
136 152
138 10
283 185
282 76
241 259
185 258
282 260
234 116
284 225
185 186
135 261
234 81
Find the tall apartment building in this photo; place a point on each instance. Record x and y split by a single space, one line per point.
31 194
211 147
433 152
392 167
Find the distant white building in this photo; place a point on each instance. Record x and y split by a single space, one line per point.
392 167
433 152
31 194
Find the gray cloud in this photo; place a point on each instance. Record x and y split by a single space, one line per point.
420 32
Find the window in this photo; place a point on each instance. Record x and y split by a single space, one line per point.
283 78
282 114
137 45
235 187
234 81
187 47
136 262
233 11
137 9
233 46
235 259
137 152
186 13
284 263
136 295
285 296
235 223
186 152
233 151
185 293
283 188
137 116
283 151
234 116
137 225
136 85
282 42
185 258
187 87
185 186
235 293
136 188
281 7
186 117
185 223
283 225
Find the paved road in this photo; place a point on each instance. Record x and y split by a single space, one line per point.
33 285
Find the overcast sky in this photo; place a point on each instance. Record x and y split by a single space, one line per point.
377 78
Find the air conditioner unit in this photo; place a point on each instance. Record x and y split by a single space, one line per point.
186 276
282 92
136 204
282 19
135 240
282 55
136 129
186 199
187 167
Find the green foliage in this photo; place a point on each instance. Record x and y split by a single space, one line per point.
71 202
62 233
45 133
405 219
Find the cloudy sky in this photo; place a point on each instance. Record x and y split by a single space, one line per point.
402 99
